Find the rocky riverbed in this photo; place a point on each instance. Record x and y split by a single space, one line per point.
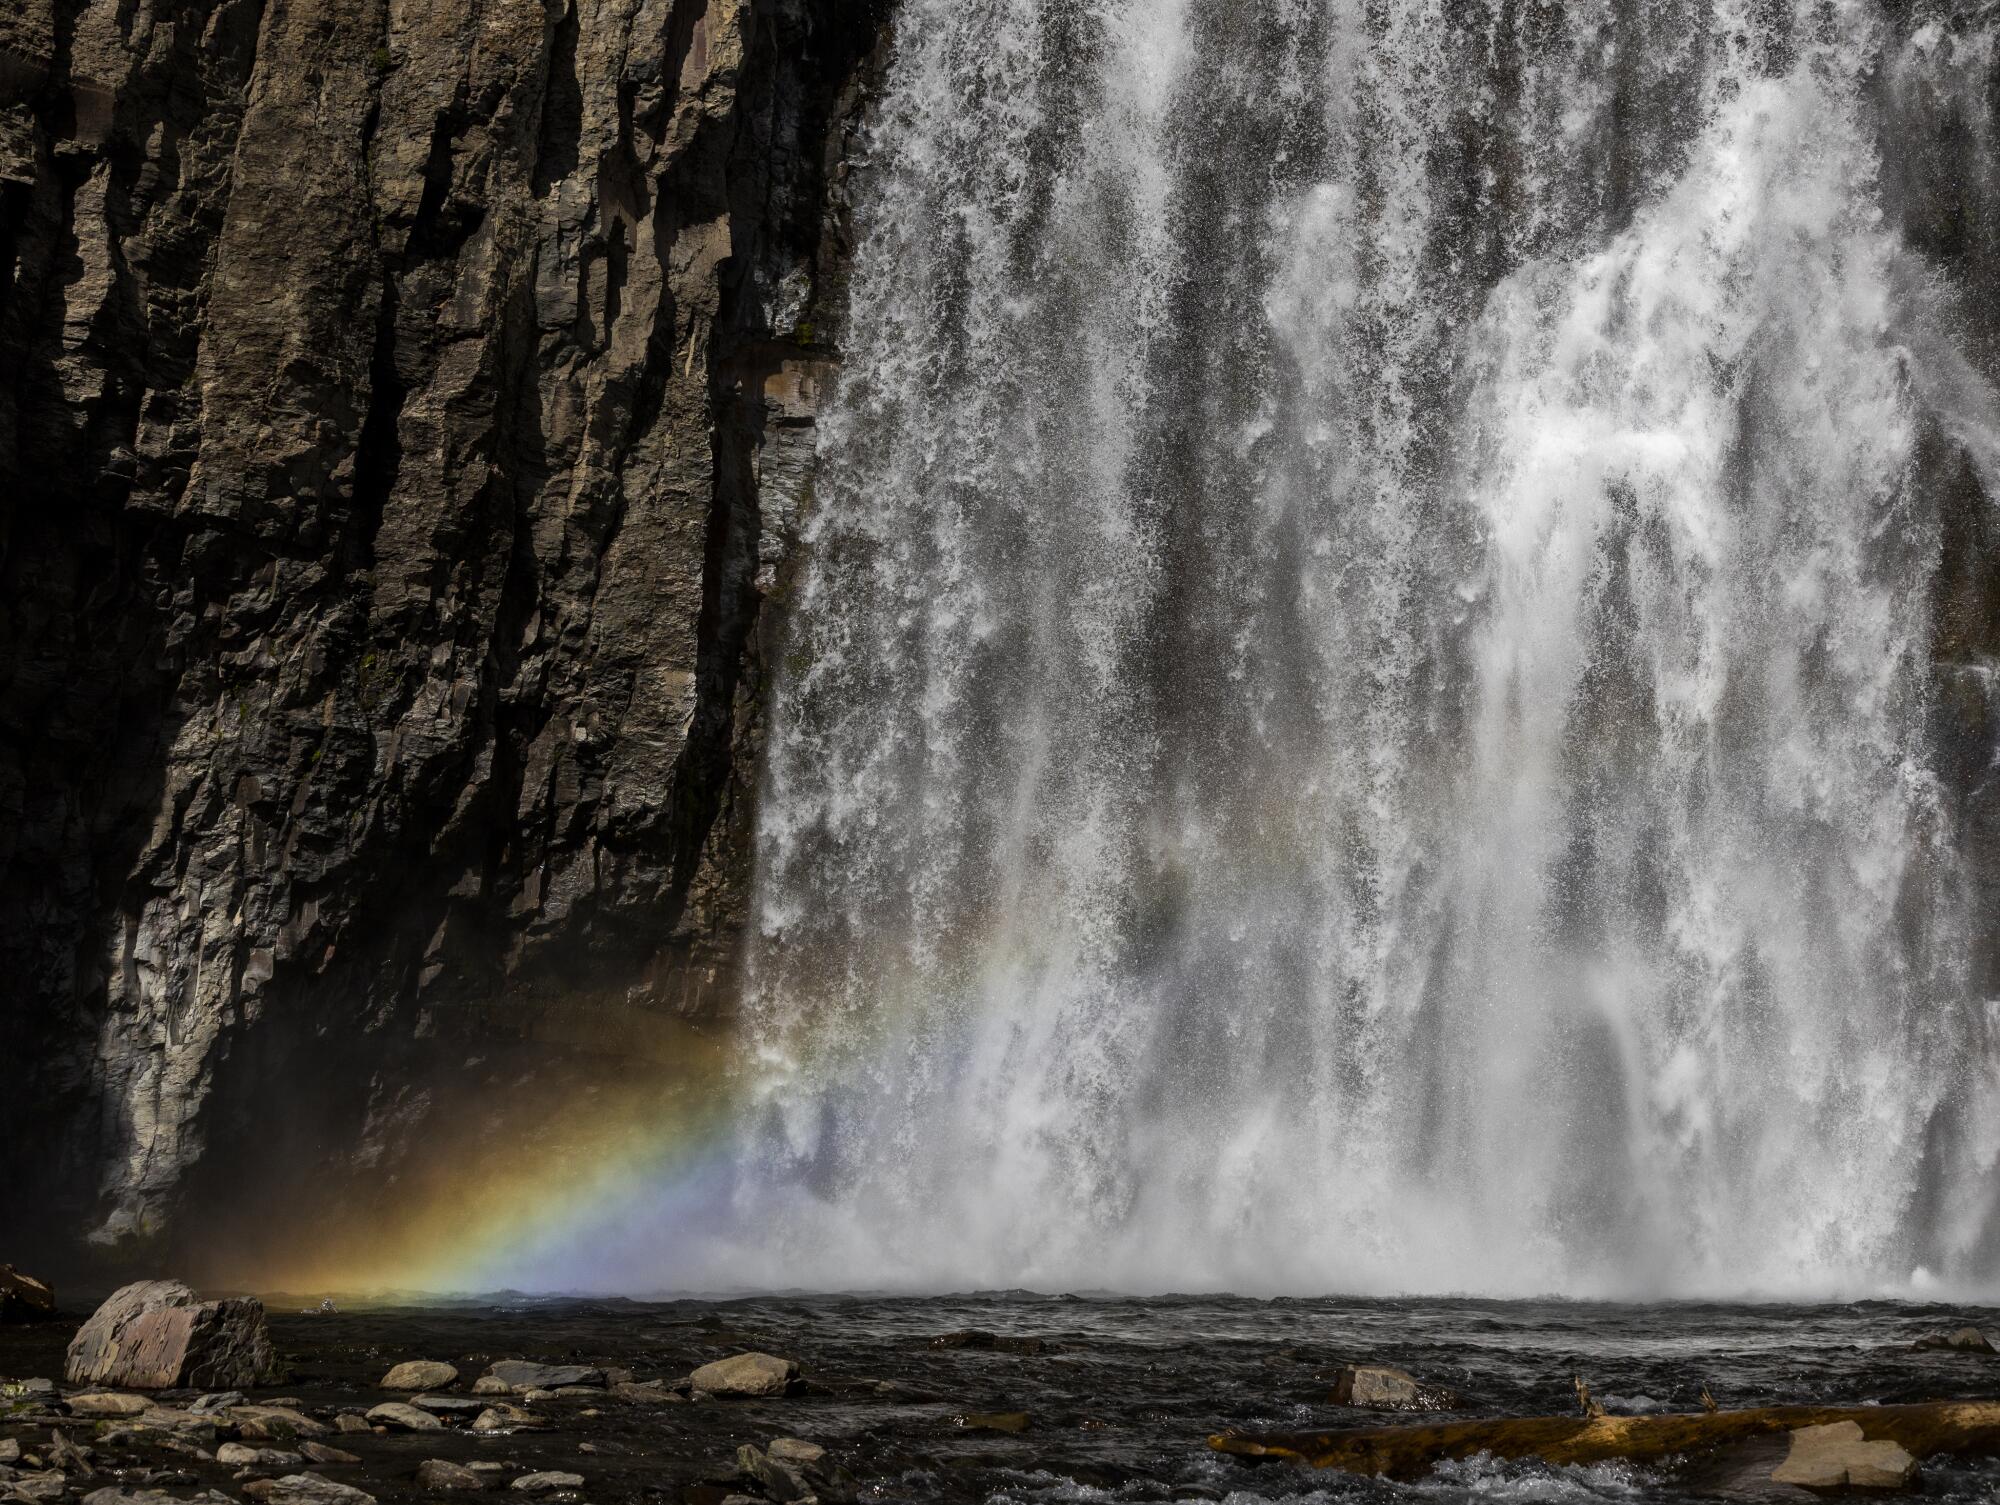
998 1397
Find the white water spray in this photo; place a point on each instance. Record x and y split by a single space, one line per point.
1359 708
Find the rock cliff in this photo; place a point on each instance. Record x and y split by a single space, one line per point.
403 406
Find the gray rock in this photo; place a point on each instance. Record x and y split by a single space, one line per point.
219 1400
404 1417
1835 1456
242 1455
10 1450
746 1375
156 1334
547 1482
306 1489
521 1376
439 1473
347 1422
1378 1387
275 1423
448 1405
420 1374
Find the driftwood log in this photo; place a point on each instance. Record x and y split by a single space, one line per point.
1407 1452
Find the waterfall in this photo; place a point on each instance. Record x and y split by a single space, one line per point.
1360 707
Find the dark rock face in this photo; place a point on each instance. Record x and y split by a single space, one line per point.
402 413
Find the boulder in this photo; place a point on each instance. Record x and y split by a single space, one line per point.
10 1450
320 1452
547 1482
404 1417
646 1393
420 1374
439 1473
792 1469
1964 1339
24 1298
348 1423
157 1335
519 1376
306 1489
1835 1456
1377 1387
107 1403
745 1374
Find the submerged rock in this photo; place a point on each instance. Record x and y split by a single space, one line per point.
1378 1387
157 1334
1836 1456
547 1482
320 1452
420 1374
24 1298
979 1338
745 1374
439 1473
1964 1339
518 1376
995 1421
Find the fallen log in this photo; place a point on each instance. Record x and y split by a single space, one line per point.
1407 1452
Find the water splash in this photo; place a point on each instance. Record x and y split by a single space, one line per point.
1359 710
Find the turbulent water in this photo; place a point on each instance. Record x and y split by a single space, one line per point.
1360 709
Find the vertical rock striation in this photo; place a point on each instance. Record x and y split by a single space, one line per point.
403 404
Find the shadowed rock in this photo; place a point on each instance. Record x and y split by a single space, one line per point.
1964 1340
23 1298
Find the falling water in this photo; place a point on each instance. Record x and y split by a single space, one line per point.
1360 708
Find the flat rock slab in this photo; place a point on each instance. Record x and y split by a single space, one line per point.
1970 1428
745 1374
306 1489
446 1405
420 1374
547 1482
158 1335
405 1417
520 1375
107 1403
275 1423
1836 1456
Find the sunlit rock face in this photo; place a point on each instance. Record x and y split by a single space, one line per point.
1390 686
400 411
